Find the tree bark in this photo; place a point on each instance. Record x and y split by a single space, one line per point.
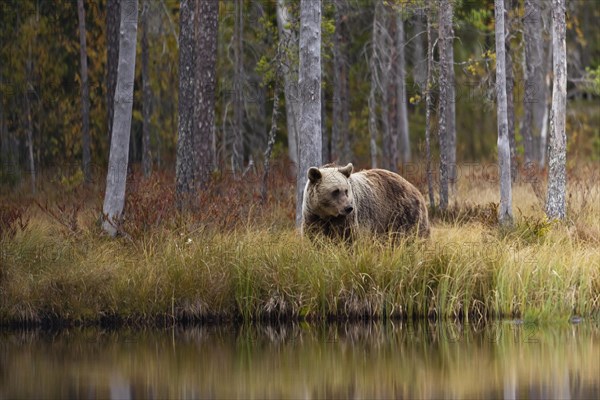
429 102
113 17
271 139
238 88
187 165
310 93
373 91
205 86
85 96
419 62
336 119
534 99
451 108
290 72
116 179
510 84
402 111
445 40
146 94
557 158
505 209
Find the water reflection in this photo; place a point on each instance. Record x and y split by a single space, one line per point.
502 360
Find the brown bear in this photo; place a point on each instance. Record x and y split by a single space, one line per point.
339 204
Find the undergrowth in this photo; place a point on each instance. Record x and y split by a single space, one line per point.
234 258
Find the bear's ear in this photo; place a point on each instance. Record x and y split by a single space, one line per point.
347 170
314 174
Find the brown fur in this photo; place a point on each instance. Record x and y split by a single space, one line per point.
382 202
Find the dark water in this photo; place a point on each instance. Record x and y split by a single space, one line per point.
501 360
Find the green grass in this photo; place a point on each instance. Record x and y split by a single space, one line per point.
180 270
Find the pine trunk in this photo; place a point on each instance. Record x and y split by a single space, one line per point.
445 40
373 92
451 105
557 157
505 209
85 96
310 94
238 88
116 179
429 104
510 84
146 94
187 165
205 82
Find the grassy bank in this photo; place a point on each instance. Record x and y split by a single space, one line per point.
253 265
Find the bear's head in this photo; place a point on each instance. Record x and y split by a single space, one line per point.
328 191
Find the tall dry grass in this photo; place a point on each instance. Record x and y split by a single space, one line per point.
237 259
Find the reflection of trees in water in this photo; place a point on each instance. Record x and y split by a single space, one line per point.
391 359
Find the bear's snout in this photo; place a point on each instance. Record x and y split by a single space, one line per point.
348 210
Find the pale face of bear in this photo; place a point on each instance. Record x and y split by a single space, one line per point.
330 194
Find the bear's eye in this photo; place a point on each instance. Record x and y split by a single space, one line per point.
336 192
346 191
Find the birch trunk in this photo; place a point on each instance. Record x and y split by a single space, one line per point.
113 18
146 94
116 179
402 111
444 40
310 93
290 80
505 209
510 84
85 96
557 158
187 165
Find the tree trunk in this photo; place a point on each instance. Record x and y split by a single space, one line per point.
207 30
289 40
310 93
373 91
146 94
510 84
29 118
113 17
85 96
451 108
336 119
325 138
557 158
547 107
402 111
116 179
429 102
534 99
271 139
419 62
187 164
389 149
445 40
505 209
238 88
